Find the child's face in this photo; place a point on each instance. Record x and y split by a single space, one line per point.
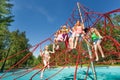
92 29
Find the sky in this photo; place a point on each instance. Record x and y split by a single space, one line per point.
41 18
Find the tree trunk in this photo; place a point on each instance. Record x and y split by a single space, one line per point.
3 66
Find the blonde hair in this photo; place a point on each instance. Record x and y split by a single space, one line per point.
78 23
46 47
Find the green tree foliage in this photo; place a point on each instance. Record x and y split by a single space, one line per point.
18 42
12 42
32 61
5 13
5 20
116 19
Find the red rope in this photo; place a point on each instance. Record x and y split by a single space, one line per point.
45 66
24 50
87 72
23 74
28 71
86 11
18 62
56 73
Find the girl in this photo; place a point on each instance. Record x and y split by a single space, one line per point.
79 29
58 38
65 35
46 57
96 38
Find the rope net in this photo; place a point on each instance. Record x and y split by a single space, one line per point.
79 56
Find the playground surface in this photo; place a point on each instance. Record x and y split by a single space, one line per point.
67 73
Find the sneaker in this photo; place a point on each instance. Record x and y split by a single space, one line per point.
96 59
103 56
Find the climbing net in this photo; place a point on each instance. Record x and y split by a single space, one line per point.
63 58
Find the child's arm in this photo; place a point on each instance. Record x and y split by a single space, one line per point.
53 51
96 31
82 24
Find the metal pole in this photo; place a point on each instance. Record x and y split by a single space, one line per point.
92 63
89 50
78 4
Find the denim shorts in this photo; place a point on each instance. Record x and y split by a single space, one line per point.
96 40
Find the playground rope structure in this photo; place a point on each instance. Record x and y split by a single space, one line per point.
90 19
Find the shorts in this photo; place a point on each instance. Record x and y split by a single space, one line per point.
72 35
96 40
77 35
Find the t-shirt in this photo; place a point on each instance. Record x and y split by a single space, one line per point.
79 30
94 36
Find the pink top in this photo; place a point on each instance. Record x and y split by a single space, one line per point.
59 37
78 30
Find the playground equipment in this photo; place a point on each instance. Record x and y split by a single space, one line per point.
90 19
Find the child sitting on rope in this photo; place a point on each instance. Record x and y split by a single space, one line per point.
65 31
77 31
46 57
58 38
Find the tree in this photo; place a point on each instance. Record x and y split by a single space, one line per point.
5 13
17 43
5 21
116 19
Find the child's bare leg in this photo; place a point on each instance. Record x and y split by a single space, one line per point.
41 76
57 45
45 63
100 49
48 65
76 41
96 54
71 43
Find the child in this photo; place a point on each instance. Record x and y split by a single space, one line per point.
58 38
46 57
65 35
96 38
71 38
79 29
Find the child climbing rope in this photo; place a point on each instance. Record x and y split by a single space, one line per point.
96 38
46 57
